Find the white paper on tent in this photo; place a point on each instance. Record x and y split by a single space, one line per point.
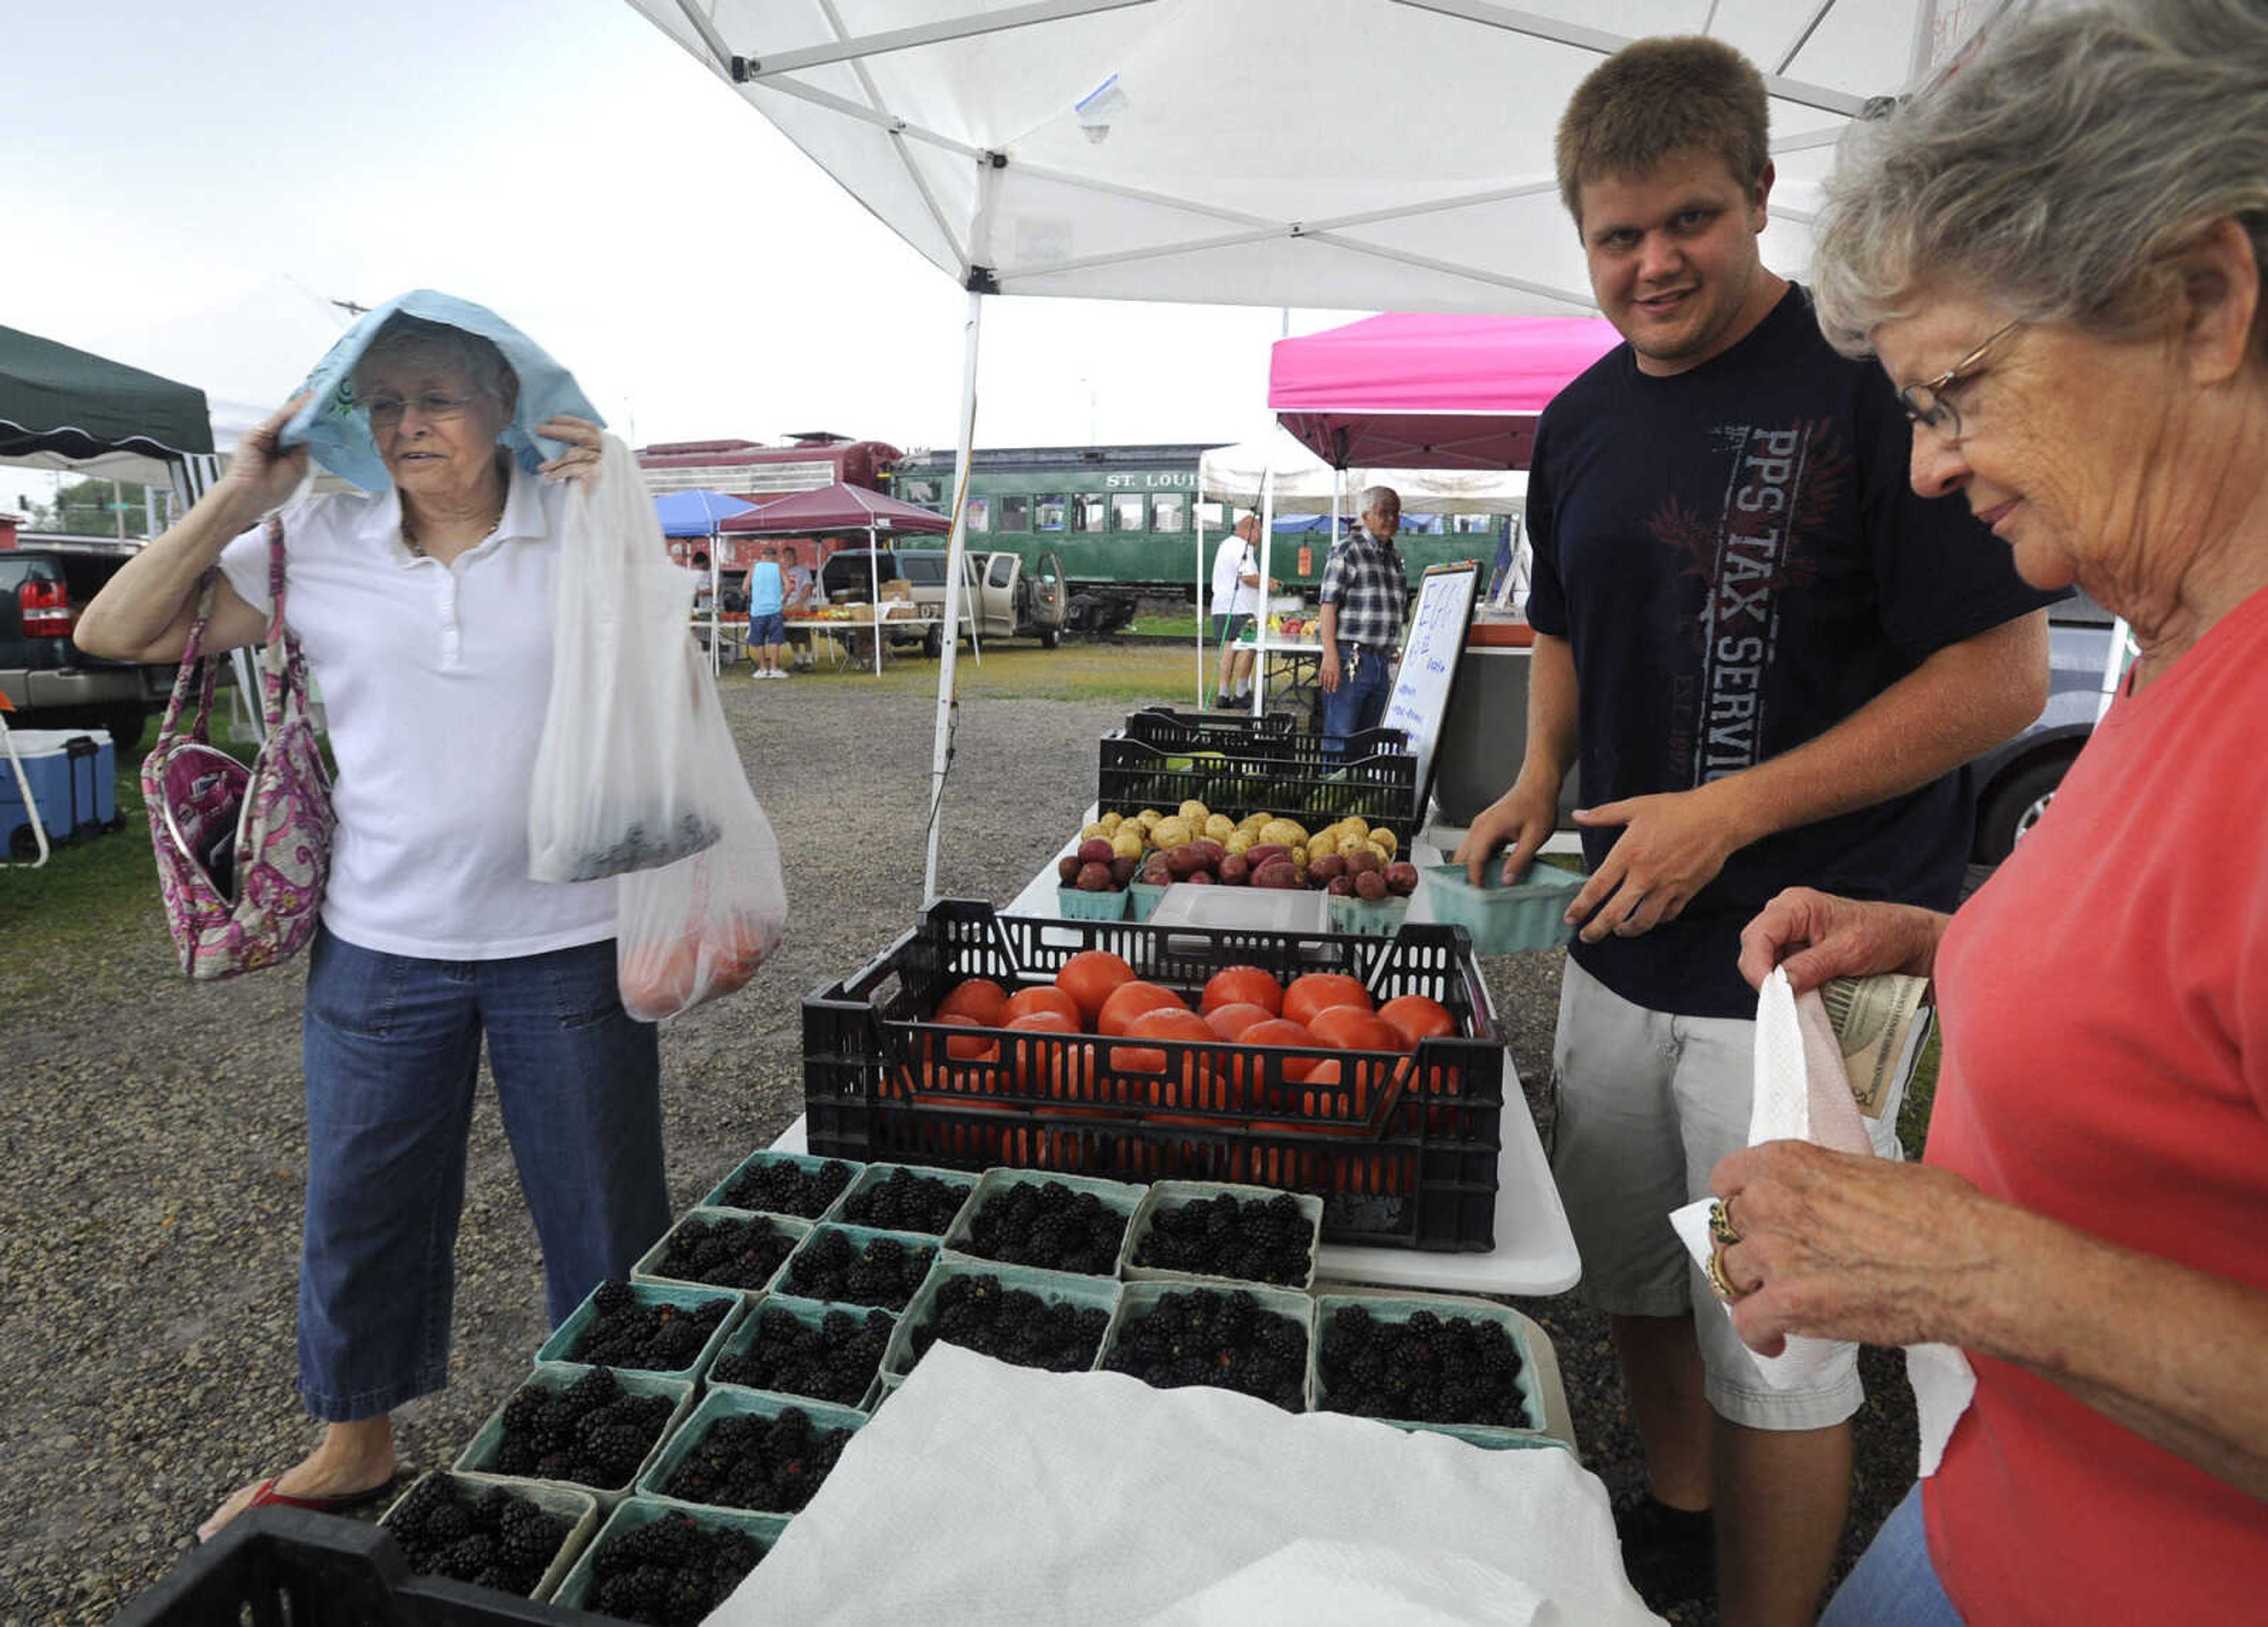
1802 1093
992 1494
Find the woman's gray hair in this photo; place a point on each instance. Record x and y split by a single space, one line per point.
477 358
2058 173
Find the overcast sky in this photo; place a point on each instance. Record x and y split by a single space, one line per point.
188 186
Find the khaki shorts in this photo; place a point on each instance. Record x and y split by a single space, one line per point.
1647 1104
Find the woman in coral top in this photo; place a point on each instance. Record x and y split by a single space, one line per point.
2058 254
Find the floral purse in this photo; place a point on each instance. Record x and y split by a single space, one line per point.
242 853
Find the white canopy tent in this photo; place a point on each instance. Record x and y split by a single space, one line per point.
1121 149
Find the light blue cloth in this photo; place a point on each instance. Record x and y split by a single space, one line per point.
766 588
333 428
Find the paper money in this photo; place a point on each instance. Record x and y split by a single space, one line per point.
1882 1025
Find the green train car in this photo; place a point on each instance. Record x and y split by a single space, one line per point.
1125 516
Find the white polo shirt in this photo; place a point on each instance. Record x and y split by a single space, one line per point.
435 680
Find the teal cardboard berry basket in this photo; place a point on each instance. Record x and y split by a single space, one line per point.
875 1176
577 1508
1400 1308
577 1590
1164 1195
1116 1195
762 1156
480 1457
1137 1300
1527 916
721 1403
1050 1287
648 1268
859 1237
810 1313
566 1341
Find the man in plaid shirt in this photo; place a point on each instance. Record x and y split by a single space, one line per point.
1366 591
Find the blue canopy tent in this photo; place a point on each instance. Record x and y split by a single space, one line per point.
695 513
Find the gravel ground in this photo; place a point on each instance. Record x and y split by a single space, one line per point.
154 1152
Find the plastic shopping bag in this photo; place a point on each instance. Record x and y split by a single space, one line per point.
691 931
620 785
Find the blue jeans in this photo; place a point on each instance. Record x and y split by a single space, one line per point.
1894 1584
391 1047
1360 701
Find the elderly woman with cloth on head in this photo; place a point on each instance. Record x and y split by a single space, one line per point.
423 604
2058 256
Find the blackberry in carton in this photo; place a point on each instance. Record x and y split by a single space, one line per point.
644 1327
590 1427
1253 1341
800 1349
665 1564
1052 1321
1048 1222
1447 1366
784 1184
722 1248
906 1197
517 1537
762 1453
1211 1232
842 1264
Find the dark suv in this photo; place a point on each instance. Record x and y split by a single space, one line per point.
49 682
2017 780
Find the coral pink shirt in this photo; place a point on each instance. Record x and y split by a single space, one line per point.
2105 1007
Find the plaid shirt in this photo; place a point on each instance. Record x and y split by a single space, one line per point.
1365 578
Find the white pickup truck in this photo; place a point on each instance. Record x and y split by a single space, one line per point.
1000 595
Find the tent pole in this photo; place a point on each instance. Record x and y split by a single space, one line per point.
716 617
956 550
1267 565
874 602
1197 516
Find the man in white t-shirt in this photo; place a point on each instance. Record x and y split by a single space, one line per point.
1235 601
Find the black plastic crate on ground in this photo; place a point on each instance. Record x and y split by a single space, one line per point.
285 1567
1163 725
1402 1149
1299 775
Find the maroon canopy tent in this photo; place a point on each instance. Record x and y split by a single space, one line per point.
844 508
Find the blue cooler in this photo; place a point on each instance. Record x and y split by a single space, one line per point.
74 779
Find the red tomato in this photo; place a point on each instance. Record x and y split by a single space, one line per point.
980 998
1243 985
1041 998
1129 1001
656 981
1348 1027
1249 1073
1053 1065
1319 991
1417 1017
1181 1085
973 1048
1089 976
1231 1022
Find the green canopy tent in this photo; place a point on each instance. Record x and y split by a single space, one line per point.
61 408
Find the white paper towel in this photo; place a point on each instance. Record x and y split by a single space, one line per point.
1802 1093
987 1493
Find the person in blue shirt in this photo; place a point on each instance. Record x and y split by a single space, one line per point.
767 601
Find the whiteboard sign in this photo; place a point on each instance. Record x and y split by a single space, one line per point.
1430 650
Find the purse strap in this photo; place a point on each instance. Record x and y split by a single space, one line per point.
283 680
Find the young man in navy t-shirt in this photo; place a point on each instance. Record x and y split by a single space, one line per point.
1771 658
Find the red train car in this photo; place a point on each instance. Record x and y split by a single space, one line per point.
756 474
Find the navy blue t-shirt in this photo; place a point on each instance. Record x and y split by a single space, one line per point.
1736 558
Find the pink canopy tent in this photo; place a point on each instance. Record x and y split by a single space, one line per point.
1429 390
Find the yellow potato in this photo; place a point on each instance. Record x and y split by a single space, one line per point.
1148 819
1323 843
1218 827
1283 831
1194 812
1098 829
1127 844
1382 837
1240 840
1355 825
1111 821
1171 833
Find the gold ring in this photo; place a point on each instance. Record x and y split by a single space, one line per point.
1720 1222
1719 1283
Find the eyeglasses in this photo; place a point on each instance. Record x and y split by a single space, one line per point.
1928 403
435 408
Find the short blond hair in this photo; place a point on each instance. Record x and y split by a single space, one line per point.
1684 92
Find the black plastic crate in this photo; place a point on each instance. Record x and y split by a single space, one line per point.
1163 725
1372 773
285 1567
1401 1149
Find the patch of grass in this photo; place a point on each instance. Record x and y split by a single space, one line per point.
1921 1096
58 920
1139 674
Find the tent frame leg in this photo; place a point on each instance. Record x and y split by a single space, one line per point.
956 552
